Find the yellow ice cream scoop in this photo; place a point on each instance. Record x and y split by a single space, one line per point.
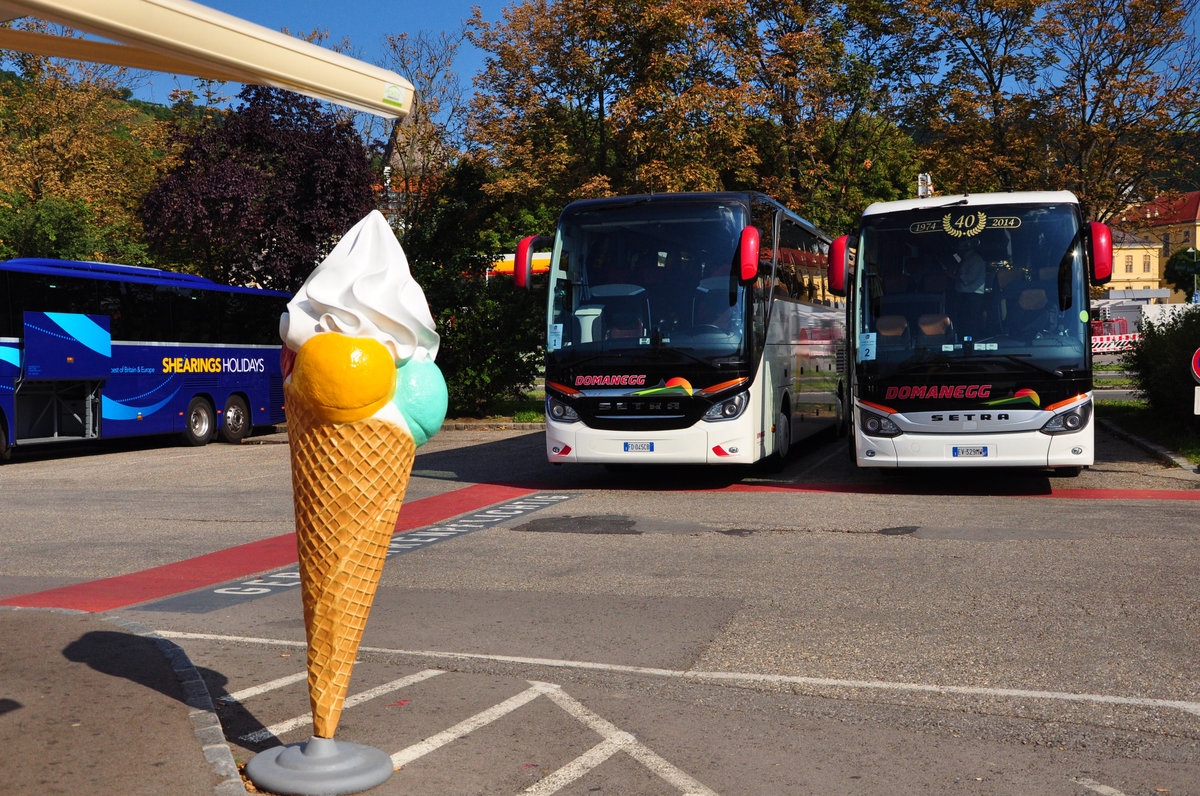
345 378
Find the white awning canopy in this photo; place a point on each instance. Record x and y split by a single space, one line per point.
187 38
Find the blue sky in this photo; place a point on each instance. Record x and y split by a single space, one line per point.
364 22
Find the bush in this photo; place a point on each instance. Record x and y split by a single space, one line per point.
490 344
1161 366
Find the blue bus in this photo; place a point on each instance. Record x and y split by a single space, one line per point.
96 350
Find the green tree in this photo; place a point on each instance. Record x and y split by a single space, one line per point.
64 229
1179 271
491 333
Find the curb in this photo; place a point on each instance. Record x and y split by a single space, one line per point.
205 723
203 716
1167 457
484 425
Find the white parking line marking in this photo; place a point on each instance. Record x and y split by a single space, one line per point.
624 741
253 691
286 726
740 677
1093 785
553 783
405 756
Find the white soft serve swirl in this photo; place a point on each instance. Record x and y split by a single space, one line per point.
364 289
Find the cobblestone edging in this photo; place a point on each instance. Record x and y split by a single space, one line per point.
484 425
1155 450
203 716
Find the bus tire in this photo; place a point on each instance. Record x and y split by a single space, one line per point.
236 424
200 422
5 450
783 442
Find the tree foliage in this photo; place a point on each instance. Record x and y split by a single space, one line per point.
1178 272
262 195
72 145
1059 94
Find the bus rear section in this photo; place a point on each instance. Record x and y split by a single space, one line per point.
968 324
673 337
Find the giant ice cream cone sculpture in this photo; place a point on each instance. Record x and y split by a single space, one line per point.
358 321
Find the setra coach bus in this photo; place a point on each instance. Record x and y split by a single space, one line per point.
686 328
96 350
968 325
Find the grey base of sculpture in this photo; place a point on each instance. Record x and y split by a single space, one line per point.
321 767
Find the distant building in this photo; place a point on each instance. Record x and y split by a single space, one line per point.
1170 223
1137 269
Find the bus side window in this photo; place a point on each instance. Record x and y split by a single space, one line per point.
197 316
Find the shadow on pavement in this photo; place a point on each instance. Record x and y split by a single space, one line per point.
127 655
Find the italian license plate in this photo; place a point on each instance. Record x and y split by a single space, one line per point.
639 447
970 450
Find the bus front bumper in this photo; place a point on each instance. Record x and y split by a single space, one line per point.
729 442
1018 449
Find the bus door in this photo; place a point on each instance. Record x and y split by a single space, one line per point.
66 359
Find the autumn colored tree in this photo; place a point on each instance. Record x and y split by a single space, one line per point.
1059 94
979 114
71 144
1124 87
582 98
262 195
826 81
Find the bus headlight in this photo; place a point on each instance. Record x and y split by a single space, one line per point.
557 410
1069 422
874 425
728 409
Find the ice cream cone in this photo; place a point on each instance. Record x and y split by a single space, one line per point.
348 482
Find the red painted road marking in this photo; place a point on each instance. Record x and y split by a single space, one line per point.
238 563
1060 494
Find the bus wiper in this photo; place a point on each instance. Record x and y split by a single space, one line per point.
1021 359
575 362
660 351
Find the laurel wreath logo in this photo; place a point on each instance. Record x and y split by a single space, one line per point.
955 230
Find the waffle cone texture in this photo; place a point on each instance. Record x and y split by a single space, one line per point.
348 481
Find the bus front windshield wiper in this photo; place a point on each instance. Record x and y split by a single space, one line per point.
1024 360
662 352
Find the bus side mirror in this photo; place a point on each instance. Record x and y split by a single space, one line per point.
523 261
748 254
837 265
1102 256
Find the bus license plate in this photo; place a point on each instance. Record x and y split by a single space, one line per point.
639 447
970 450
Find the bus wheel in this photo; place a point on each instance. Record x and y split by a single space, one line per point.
5 451
237 420
783 442
198 430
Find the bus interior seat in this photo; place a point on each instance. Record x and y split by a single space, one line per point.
625 325
589 323
710 301
893 330
626 309
912 305
934 329
1030 312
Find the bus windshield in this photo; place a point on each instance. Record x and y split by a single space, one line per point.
646 280
979 287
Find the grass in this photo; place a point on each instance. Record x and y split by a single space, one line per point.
1137 418
529 408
